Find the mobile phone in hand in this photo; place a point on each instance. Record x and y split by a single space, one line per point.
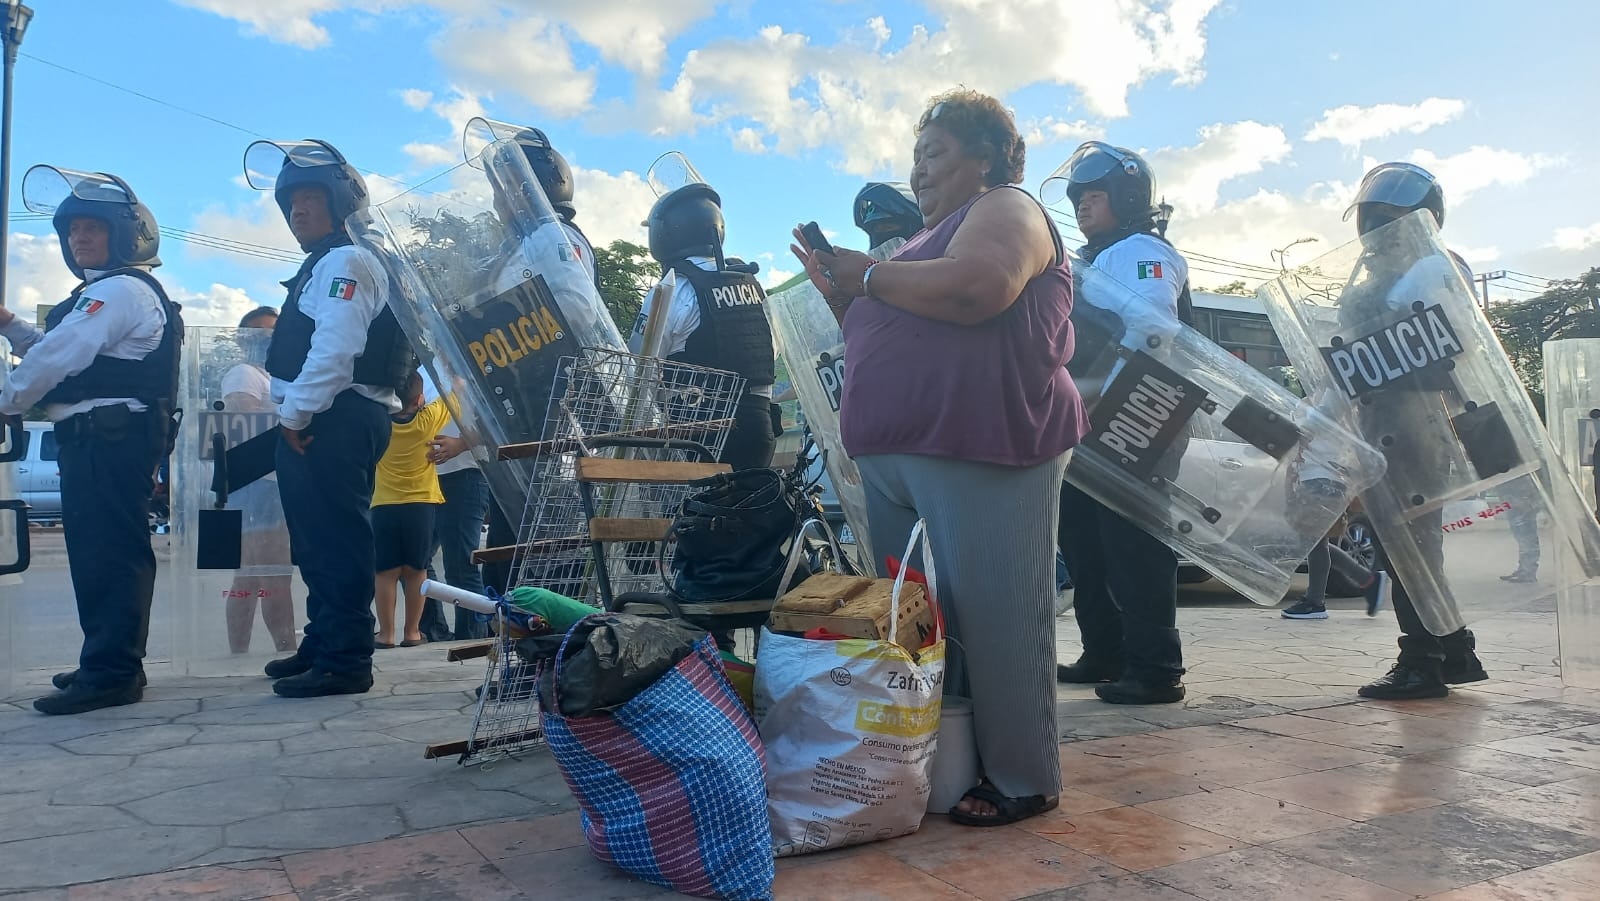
813 236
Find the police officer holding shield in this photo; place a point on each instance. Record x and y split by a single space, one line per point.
1125 581
717 316
1428 664
106 370
336 359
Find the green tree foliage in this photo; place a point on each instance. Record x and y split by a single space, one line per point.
1237 289
626 272
1568 309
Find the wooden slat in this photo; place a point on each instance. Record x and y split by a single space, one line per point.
468 651
445 749
512 551
659 472
690 431
606 528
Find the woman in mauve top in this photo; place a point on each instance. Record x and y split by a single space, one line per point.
958 409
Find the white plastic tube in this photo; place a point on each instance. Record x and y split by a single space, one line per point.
439 591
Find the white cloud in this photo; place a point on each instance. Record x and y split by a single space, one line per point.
218 305
611 206
528 52
259 223
1352 125
749 141
424 155
284 21
416 98
35 273
772 278
1477 168
1191 178
1576 238
1478 255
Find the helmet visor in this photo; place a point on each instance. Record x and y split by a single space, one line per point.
883 202
481 132
263 160
1088 164
671 171
45 187
1395 184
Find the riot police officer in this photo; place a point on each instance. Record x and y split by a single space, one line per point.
887 210
105 369
717 317
336 359
1125 581
555 179
1428 664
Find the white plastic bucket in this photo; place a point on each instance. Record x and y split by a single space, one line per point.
955 759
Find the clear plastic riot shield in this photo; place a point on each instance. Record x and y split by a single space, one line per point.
492 296
1201 450
229 618
812 346
1572 416
1474 497
14 548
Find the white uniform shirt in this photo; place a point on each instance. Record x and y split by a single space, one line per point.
1154 273
344 293
119 317
252 383
683 317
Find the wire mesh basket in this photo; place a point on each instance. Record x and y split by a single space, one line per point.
604 403
603 399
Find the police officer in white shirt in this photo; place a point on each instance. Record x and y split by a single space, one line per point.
1125 581
337 358
717 316
105 368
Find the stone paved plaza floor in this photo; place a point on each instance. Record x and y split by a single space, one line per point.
1271 782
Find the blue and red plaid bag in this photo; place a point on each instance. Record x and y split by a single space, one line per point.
672 784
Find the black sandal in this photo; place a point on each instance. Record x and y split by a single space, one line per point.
1007 810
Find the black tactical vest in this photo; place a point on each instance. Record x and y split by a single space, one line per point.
152 380
385 362
733 333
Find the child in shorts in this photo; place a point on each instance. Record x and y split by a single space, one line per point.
405 497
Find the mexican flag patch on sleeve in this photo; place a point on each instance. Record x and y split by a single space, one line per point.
89 305
345 288
1149 269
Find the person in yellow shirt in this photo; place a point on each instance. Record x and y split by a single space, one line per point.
404 500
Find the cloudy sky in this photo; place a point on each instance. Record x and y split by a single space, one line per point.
1259 116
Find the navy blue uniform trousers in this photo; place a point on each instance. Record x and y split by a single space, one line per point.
327 501
107 479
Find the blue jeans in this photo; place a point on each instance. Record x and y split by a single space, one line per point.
457 529
327 501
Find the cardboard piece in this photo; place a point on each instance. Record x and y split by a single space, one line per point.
855 606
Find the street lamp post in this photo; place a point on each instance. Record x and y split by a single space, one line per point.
17 17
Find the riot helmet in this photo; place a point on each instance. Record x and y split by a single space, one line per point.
1392 190
687 217
549 166
283 166
1122 174
686 222
133 238
886 210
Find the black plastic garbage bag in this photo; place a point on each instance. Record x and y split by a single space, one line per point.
610 657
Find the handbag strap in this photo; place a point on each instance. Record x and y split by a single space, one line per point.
920 530
797 548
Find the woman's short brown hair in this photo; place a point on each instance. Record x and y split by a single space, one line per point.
985 128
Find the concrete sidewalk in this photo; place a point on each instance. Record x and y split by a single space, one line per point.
1268 782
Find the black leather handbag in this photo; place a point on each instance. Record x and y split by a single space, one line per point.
729 536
